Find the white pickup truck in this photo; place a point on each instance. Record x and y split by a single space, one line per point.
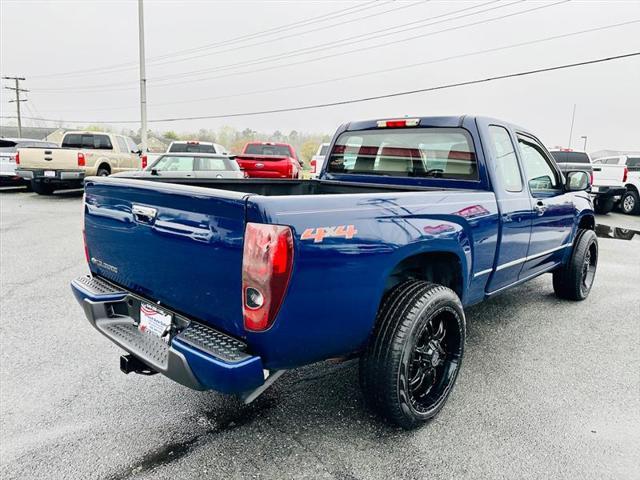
630 199
607 181
81 154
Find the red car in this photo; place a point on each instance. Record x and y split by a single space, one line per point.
270 160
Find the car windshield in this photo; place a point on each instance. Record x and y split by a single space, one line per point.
192 148
570 157
173 163
416 152
264 149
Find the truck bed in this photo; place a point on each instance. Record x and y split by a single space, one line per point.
187 255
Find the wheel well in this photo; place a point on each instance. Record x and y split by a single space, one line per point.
630 186
587 223
106 166
443 268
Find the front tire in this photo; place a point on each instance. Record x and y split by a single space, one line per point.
574 280
630 203
413 357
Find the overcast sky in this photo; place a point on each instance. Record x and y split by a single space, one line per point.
80 60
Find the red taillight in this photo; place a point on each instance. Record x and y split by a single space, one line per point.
18 158
266 268
625 174
81 161
143 160
590 178
313 166
86 249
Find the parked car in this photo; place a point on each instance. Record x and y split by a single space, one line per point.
196 146
190 165
9 151
607 184
629 202
270 160
317 161
80 155
217 288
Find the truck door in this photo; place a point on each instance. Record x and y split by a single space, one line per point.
553 210
514 205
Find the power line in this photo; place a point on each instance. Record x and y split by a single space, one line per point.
375 97
132 65
105 87
343 41
394 68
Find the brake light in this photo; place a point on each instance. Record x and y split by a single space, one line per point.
590 178
17 158
81 161
625 174
313 166
86 249
399 123
193 142
267 261
143 161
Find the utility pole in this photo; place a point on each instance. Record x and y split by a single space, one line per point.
573 117
17 89
143 79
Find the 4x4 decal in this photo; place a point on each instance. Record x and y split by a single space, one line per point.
320 233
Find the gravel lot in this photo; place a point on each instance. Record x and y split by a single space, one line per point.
549 388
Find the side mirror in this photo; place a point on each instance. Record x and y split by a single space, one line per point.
137 152
577 181
154 171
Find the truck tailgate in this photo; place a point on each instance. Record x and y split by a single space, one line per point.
48 158
608 175
174 244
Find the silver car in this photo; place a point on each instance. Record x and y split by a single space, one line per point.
8 151
191 165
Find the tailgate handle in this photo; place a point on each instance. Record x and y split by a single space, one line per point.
144 214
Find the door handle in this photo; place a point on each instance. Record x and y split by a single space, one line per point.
540 207
143 214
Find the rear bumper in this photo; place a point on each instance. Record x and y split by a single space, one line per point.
606 192
61 176
197 356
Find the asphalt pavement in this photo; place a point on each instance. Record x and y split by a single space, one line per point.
548 388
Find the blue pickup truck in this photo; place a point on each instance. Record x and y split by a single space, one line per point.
225 284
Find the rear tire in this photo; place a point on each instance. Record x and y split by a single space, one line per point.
414 354
42 188
103 172
574 280
630 203
603 205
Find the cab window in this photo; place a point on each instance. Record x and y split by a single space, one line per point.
506 160
541 176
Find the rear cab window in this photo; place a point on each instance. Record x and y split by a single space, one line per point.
425 152
570 157
192 147
269 150
87 141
